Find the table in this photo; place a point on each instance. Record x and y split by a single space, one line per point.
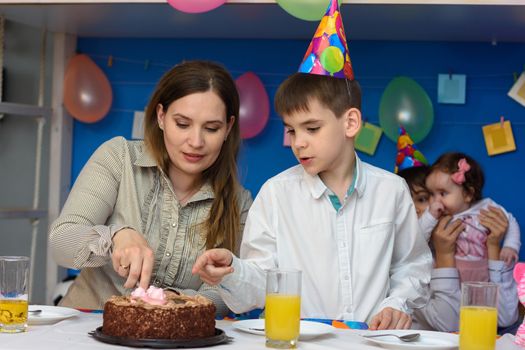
72 334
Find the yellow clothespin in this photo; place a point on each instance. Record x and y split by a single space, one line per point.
110 61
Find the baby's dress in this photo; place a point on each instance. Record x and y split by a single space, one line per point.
471 245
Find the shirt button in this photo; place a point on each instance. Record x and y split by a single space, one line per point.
174 224
168 254
157 282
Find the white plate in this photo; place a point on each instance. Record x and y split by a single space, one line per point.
308 330
50 314
427 341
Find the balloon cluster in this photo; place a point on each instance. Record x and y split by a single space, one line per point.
195 6
254 105
308 10
405 103
87 93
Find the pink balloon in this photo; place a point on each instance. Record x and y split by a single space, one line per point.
87 93
255 105
195 6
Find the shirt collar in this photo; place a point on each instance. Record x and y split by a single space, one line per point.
318 188
145 159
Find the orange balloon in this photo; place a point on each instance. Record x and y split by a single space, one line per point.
87 92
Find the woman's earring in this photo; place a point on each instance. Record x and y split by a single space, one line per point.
161 127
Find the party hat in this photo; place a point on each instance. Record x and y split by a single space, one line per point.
328 51
408 156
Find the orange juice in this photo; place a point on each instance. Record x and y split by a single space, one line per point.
477 327
282 316
13 314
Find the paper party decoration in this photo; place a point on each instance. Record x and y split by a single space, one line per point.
368 138
517 92
499 138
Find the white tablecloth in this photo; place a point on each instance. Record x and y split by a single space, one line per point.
72 334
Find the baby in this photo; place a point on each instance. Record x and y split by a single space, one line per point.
455 184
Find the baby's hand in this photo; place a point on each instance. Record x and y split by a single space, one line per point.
436 209
508 255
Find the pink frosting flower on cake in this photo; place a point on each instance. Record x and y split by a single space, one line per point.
153 296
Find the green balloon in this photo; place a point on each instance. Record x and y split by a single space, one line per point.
308 10
404 102
332 59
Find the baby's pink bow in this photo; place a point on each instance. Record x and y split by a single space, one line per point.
459 176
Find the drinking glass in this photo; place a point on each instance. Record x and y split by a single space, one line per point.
478 316
283 308
14 280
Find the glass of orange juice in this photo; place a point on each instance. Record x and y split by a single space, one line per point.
14 279
283 308
478 316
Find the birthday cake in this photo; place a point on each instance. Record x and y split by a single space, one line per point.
158 314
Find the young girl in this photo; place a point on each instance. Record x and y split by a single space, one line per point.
455 183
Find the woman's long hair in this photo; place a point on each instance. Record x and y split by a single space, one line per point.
223 224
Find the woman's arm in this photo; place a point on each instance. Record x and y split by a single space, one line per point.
79 237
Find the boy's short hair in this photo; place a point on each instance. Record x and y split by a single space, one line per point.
415 177
336 94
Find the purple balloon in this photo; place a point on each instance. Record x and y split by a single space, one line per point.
254 105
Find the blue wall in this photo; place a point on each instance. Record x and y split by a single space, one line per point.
489 71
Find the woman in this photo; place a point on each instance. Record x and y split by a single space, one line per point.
143 211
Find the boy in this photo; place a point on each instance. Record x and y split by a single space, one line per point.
350 227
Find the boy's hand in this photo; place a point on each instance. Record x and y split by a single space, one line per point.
508 255
132 258
436 209
390 318
213 265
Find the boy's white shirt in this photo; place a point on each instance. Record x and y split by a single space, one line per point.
367 256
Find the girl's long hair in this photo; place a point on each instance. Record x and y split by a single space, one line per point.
223 224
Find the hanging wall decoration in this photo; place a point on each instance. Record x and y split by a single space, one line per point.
499 137
452 88
87 92
405 103
517 92
368 138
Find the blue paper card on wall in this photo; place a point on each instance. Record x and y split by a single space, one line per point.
451 88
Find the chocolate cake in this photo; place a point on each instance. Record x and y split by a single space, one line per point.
180 317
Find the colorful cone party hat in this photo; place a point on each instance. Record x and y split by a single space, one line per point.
408 155
328 51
